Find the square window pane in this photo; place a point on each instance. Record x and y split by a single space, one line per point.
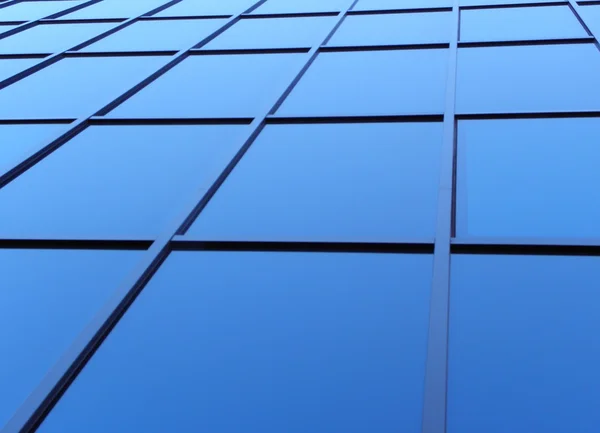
187 8
540 78
371 83
288 342
213 86
19 142
116 9
51 38
34 10
357 189
529 178
591 15
298 6
74 87
47 298
274 33
366 5
505 24
524 348
390 29
501 2
158 35
107 183
10 67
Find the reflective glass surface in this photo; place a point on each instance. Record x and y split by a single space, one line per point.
212 86
10 67
389 29
295 6
524 348
46 299
363 5
591 15
18 142
51 38
74 87
544 78
274 33
6 27
330 183
371 83
33 10
158 35
505 24
116 182
262 342
116 9
495 2
528 177
199 8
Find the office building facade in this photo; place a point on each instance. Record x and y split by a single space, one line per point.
293 216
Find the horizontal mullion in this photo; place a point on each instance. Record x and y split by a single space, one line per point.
390 47
535 115
565 41
81 20
526 246
56 121
100 120
289 15
120 53
400 11
233 51
76 244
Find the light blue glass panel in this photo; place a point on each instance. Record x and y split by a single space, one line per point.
331 183
505 24
200 8
33 10
274 33
6 27
213 86
365 5
75 87
262 342
541 78
116 9
47 297
125 182
495 2
524 347
158 35
389 29
591 15
371 83
51 38
296 6
19 142
529 177
10 67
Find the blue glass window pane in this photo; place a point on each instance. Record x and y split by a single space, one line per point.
288 342
528 177
10 67
274 33
47 298
371 83
200 8
365 5
18 142
33 10
204 86
158 35
125 182
591 15
358 189
524 347
495 2
505 24
297 6
74 87
116 9
389 29
51 38
541 78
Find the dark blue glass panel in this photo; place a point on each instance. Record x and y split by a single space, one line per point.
10 67
295 6
199 8
505 24
158 35
18 142
116 9
47 298
363 5
33 10
204 86
330 183
389 29
542 78
117 182
528 177
75 87
591 15
275 33
51 38
371 83
524 347
262 342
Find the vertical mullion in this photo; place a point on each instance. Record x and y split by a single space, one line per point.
576 8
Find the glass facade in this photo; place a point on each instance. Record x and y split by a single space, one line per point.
291 216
